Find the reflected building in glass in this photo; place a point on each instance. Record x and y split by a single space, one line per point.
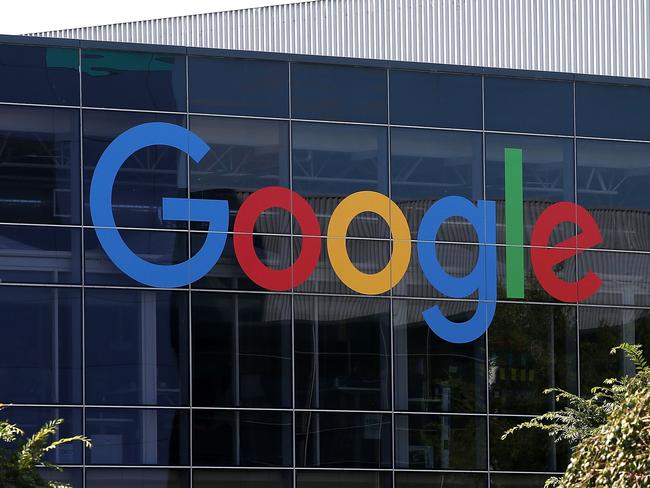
222 383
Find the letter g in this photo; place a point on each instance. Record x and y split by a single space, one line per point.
215 212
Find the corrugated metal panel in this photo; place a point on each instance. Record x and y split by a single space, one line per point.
606 37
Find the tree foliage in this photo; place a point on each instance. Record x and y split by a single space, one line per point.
20 456
610 431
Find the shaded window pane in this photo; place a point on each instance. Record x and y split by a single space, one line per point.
233 478
128 79
618 111
156 247
343 440
548 177
601 329
245 155
347 479
144 179
435 99
40 354
233 86
71 476
427 165
241 350
39 160
333 161
524 105
531 348
40 254
330 92
613 179
342 353
526 450
234 438
440 480
137 478
138 437
518 480
440 442
39 74
431 374
136 347
31 419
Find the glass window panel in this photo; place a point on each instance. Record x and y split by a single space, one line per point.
138 437
433 375
71 476
232 86
613 178
518 480
427 165
40 354
526 450
154 246
601 329
31 419
39 160
342 353
39 74
137 478
440 442
241 438
129 79
145 178
343 440
40 254
526 105
136 347
440 480
238 478
347 479
331 92
618 111
435 99
241 350
332 161
245 155
548 177
531 348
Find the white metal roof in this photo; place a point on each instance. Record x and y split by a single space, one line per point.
606 37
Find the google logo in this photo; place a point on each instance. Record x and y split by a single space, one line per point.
481 215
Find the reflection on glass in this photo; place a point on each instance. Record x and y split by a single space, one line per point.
232 86
342 353
531 348
613 178
526 450
40 165
601 329
440 442
136 347
246 438
332 161
433 375
527 105
137 478
331 92
347 479
40 254
427 165
548 177
343 440
440 480
128 79
40 353
518 480
237 478
241 350
245 155
138 437
71 476
144 179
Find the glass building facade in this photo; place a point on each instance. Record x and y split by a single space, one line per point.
224 384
